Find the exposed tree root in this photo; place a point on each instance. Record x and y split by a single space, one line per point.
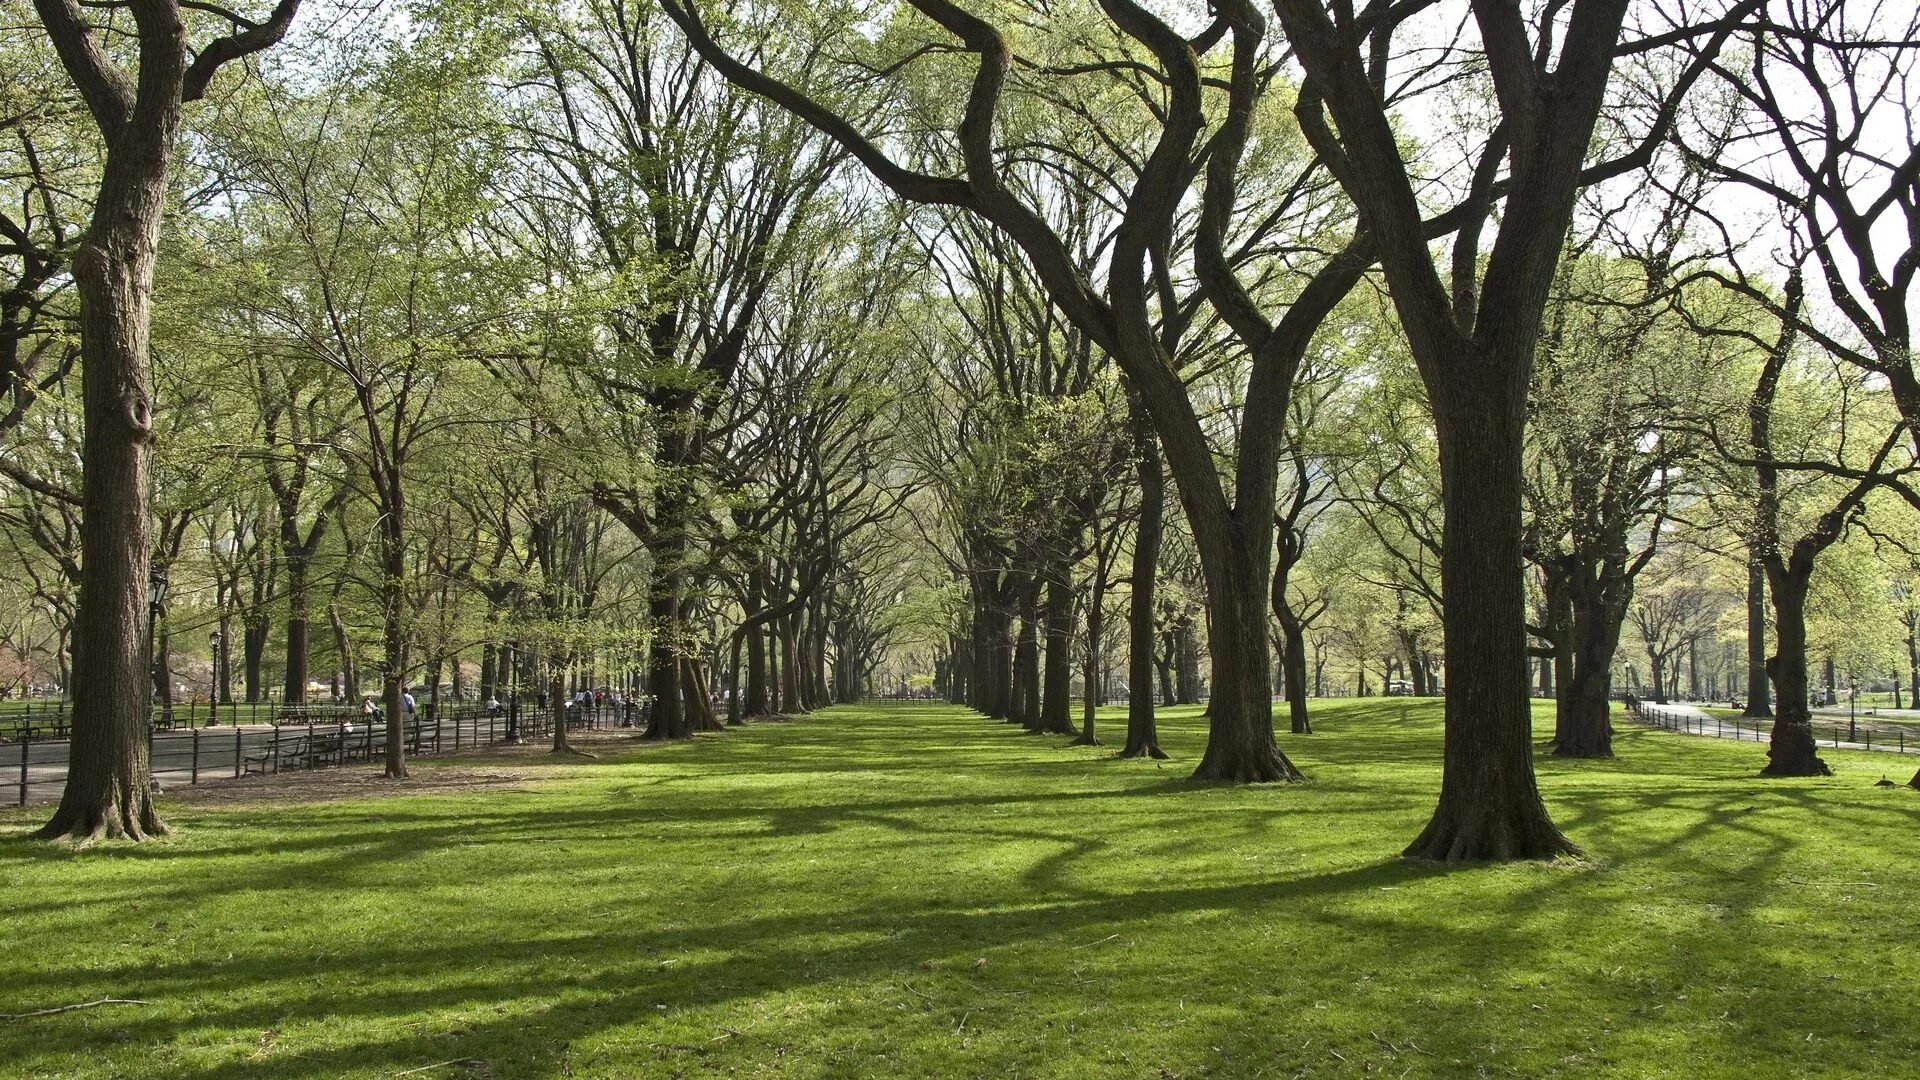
1087 740
1261 766
1915 782
84 826
1792 751
1144 750
568 751
1476 834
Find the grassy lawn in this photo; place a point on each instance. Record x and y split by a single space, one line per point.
918 892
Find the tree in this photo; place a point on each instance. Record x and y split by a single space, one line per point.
1473 340
138 114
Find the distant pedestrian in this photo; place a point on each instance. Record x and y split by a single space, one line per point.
406 703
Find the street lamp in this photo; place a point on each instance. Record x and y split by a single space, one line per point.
213 683
1853 695
513 693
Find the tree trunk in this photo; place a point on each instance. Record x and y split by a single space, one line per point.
108 792
757 703
557 701
1240 743
393 628
1186 663
1792 751
297 633
343 645
1056 710
1143 737
1489 805
1757 678
1026 658
1913 667
223 661
1587 730
1657 664
254 649
1091 681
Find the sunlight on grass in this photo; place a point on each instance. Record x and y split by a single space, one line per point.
920 892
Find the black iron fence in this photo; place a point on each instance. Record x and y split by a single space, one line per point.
1841 735
34 763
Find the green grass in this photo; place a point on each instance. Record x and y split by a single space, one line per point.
923 893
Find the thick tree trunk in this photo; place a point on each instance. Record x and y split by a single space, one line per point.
1143 737
1587 730
254 650
1186 663
1792 751
488 685
1240 743
297 632
1026 659
790 662
1758 704
1000 661
1657 664
1489 805
757 702
108 793
667 719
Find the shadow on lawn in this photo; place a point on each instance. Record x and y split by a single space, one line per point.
576 977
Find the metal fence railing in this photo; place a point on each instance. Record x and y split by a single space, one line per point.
1892 739
35 768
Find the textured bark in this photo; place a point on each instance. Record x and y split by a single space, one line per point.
1599 610
1026 658
1490 806
1791 752
1143 737
109 784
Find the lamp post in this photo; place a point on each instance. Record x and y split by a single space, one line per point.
1853 695
213 682
513 692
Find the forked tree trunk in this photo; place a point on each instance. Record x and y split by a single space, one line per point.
700 712
1587 728
1791 751
1489 805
